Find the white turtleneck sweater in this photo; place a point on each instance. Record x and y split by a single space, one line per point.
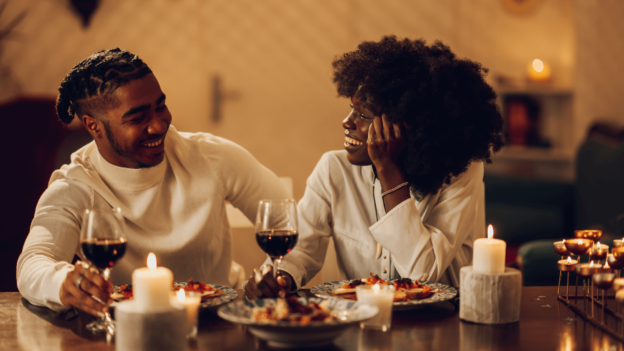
175 209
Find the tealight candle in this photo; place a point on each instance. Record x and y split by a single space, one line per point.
618 242
380 296
489 254
151 286
567 265
598 252
190 301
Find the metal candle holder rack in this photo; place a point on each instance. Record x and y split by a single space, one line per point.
596 273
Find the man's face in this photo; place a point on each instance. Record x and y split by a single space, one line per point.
136 127
356 129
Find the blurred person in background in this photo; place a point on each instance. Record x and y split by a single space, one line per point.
401 199
170 186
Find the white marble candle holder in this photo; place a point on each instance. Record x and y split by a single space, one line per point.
490 298
142 330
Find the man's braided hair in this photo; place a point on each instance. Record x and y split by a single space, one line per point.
89 85
449 111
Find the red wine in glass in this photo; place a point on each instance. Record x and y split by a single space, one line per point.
277 243
103 243
103 253
276 229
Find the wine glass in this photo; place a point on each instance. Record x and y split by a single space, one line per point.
103 242
276 229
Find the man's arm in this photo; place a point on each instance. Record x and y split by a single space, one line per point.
44 272
315 228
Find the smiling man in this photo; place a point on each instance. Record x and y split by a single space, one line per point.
171 188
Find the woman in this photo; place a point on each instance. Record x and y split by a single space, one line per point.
401 199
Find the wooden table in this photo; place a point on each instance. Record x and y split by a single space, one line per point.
434 327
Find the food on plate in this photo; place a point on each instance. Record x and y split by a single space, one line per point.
406 289
206 290
289 309
412 289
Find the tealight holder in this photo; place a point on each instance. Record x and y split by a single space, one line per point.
566 266
579 246
618 243
603 281
585 271
560 249
593 234
598 253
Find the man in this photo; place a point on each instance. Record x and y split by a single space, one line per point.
170 186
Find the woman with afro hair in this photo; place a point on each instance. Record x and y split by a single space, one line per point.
401 200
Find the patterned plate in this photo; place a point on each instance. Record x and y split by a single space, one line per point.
228 295
443 293
292 334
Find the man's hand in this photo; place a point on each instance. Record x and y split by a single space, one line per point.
263 284
91 285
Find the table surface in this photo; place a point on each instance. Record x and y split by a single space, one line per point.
542 326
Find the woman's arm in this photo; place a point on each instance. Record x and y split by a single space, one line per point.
424 250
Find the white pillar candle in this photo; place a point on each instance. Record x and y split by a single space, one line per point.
151 286
489 254
380 296
190 301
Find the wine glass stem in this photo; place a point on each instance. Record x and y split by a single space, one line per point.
276 263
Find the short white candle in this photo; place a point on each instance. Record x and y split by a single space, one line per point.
151 286
191 302
489 254
569 261
381 296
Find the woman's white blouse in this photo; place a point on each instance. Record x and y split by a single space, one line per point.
429 239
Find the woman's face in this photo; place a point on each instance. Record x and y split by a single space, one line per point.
356 133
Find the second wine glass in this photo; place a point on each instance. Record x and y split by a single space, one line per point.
277 229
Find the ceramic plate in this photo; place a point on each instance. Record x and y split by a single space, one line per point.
292 334
443 293
228 295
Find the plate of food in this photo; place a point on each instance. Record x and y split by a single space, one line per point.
211 295
297 321
408 294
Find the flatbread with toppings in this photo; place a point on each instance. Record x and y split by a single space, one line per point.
206 290
406 289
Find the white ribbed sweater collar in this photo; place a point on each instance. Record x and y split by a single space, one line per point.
127 179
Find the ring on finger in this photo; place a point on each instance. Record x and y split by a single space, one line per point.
79 281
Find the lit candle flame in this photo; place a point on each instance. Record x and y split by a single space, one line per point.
151 261
376 287
606 265
591 264
569 260
490 231
599 245
538 65
181 295
580 242
564 241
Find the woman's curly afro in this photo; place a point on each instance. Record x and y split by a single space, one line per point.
450 113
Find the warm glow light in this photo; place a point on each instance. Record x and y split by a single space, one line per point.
151 261
564 241
569 260
599 245
580 242
538 65
591 264
376 287
606 265
490 231
181 295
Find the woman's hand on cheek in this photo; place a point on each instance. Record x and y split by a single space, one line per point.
385 143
